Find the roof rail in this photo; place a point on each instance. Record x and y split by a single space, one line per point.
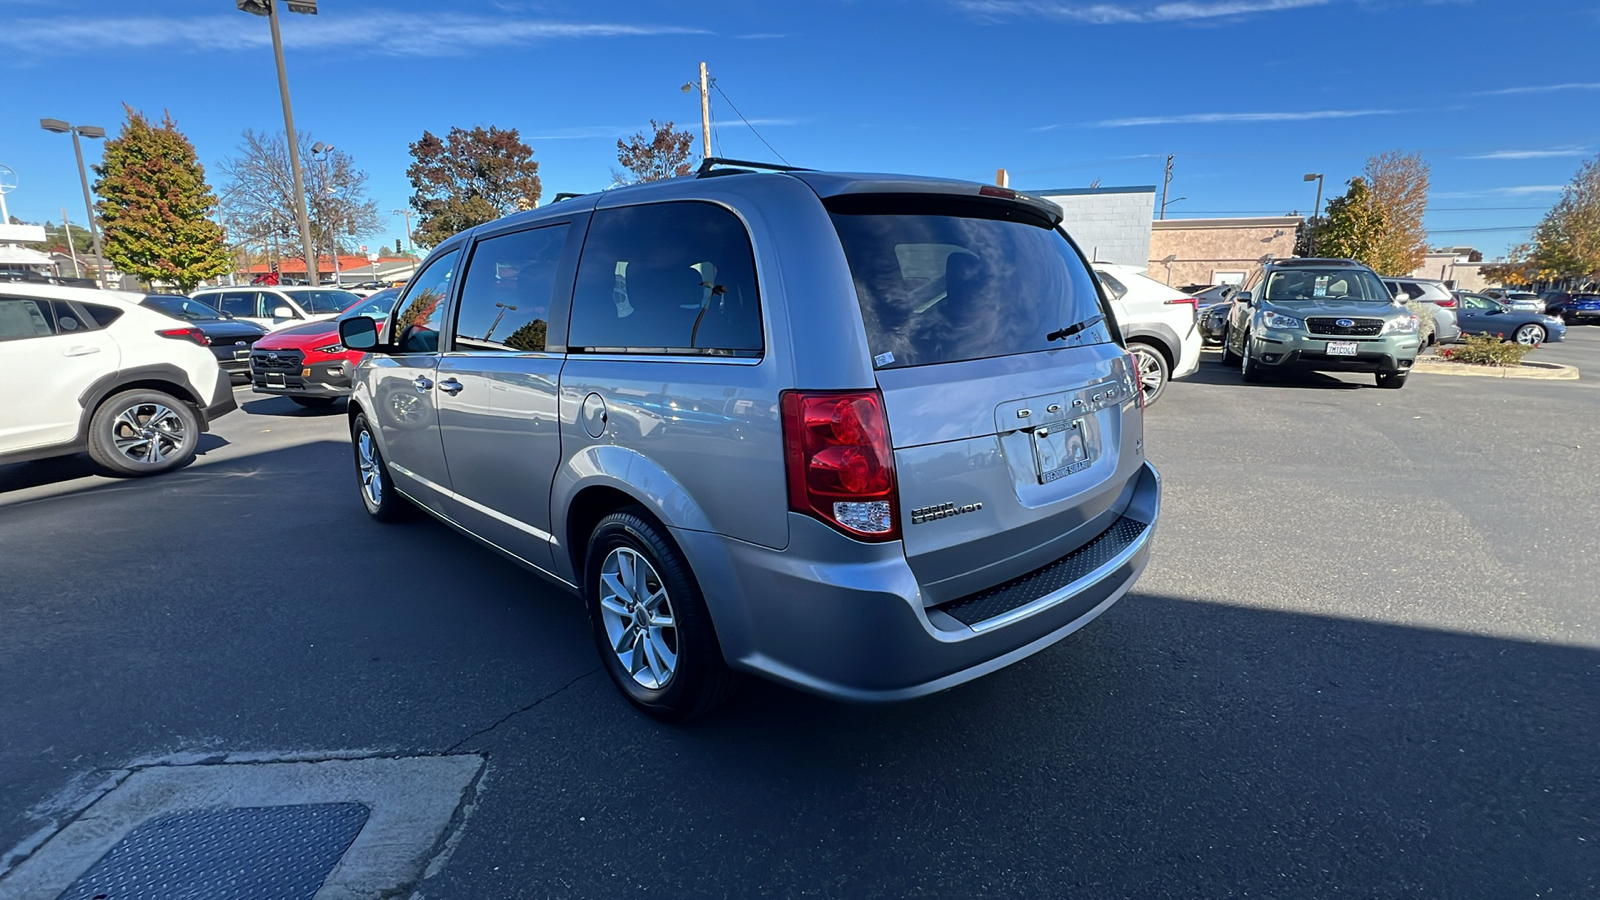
565 195
709 167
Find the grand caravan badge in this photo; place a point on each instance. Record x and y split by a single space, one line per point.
941 511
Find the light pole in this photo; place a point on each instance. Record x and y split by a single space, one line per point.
268 8
88 131
407 213
1316 213
324 153
705 110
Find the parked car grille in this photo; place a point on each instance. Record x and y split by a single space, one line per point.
233 350
1003 598
269 360
1330 325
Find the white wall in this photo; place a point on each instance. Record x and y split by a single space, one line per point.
1110 224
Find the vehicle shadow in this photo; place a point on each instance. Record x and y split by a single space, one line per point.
1212 371
276 405
58 469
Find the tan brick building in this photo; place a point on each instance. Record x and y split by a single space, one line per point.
1217 251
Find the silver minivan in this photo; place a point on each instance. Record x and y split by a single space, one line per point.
868 436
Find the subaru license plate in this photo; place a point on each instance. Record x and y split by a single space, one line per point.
1061 449
1341 348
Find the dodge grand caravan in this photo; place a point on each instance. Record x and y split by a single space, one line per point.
869 436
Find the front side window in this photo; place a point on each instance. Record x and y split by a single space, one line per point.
239 303
676 278
944 279
507 290
417 327
20 319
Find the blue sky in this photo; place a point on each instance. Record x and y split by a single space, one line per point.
1501 98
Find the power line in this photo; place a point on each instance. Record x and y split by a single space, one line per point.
1478 230
747 123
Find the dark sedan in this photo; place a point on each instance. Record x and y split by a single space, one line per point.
231 339
1215 301
1575 308
1479 314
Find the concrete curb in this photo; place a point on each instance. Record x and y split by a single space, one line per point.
1546 371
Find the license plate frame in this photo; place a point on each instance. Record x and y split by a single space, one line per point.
1061 449
275 379
1342 348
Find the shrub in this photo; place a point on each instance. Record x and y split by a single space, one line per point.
1425 321
1488 350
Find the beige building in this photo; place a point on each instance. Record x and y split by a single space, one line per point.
1457 266
1217 251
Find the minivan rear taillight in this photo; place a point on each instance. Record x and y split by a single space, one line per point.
186 334
840 463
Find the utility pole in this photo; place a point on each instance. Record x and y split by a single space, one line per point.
1316 212
66 229
1165 183
705 113
407 213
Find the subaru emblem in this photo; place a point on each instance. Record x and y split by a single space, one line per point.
272 356
238 343
1344 323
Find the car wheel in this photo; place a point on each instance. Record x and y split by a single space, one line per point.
143 433
1153 371
1249 369
378 495
1393 381
1229 358
315 402
1531 333
650 622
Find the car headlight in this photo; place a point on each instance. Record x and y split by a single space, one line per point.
331 348
1281 321
1407 325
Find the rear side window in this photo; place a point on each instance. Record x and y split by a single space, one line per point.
505 297
236 303
1113 287
21 319
104 315
943 279
676 278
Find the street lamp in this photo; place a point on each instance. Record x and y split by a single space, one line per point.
324 154
1168 261
88 131
1316 213
268 8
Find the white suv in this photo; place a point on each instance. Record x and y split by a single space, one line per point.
1160 325
276 307
101 373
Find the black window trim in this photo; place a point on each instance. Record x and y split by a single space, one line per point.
560 293
663 354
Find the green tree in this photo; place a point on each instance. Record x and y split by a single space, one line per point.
1398 183
1567 241
663 153
155 206
1352 225
468 178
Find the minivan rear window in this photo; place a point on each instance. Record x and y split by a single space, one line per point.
946 279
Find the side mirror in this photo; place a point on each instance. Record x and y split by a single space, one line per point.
1243 297
282 312
359 333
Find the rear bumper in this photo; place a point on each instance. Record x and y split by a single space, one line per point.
846 620
222 400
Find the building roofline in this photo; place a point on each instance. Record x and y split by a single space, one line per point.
1067 192
1248 222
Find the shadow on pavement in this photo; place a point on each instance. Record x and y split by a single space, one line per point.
57 469
277 405
1212 371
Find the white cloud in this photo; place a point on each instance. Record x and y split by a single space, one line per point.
1532 154
1215 118
394 34
1129 14
1518 191
1544 89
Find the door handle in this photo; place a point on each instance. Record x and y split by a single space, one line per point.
80 351
451 386
423 384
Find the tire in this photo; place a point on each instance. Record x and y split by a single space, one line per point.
1531 333
672 673
143 432
1229 358
1393 381
1249 369
378 495
1154 372
315 402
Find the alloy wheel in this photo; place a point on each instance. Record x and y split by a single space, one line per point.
1152 377
148 433
1530 334
638 619
368 462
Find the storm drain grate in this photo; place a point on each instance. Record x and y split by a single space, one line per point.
265 852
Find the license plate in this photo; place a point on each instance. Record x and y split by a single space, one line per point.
1061 449
274 380
241 354
1341 348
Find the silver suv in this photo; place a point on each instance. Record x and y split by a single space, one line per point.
868 436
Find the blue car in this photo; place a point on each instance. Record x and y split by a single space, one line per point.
1477 314
1575 308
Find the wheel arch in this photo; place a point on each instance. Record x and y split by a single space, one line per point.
162 377
602 479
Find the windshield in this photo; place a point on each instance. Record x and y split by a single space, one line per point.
182 307
939 280
377 306
1325 286
321 302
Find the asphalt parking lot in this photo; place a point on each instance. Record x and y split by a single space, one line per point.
1364 661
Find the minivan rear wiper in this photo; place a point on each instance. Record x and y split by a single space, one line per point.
1071 330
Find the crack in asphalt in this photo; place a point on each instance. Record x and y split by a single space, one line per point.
517 712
